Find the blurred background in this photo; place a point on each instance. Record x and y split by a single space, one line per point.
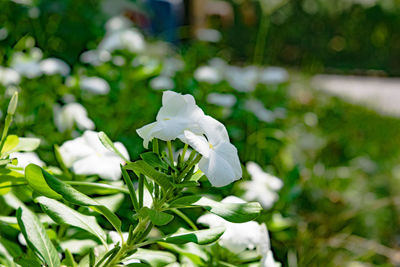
306 88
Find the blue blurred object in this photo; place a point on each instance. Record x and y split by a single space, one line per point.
166 17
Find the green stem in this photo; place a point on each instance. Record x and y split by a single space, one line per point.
261 39
98 185
155 146
5 130
171 155
141 189
185 218
184 151
188 167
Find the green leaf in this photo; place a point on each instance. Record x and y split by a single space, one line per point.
154 160
201 237
12 106
233 212
196 259
57 189
157 217
69 259
153 257
63 214
142 167
37 238
106 141
35 178
10 143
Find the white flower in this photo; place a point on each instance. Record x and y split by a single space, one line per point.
86 155
25 158
95 85
208 35
51 66
177 114
9 76
162 83
273 75
172 65
207 74
27 65
129 39
95 57
258 109
220 161
262 187
117 23
237 236
243 79
223 100
70 114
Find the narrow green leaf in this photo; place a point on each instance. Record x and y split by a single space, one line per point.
10 143
201 237
63 214
12 106
132 192
69 259
37 238
57 189
233 212
153 257
157 217
142 167
154 160
35 178
106 141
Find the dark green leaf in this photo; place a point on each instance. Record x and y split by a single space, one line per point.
233 212
154 160
157 217
142 167
37 238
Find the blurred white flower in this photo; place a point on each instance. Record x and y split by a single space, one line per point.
262 187
273 75
223 100
86 155
129 39
117 23
26 158
51 66
9 76
172 65
243 79
258 109
95 85
70 114
27 65
208 35
178 113
207 74
162 83
241 236
220 161
95 57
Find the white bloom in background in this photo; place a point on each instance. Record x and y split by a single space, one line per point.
95 57
262 187
258 109
273 75
125 39
241 236
171 66
26 158
86 155
177 114
9 77
220 161
95 85
162 83
208 35
223 100
208 74
51 66
27 65
243 79
70 114
117 23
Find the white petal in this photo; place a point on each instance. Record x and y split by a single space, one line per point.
25 158
223 166
106 167
146 133
122 149
197 142
214 130
74 150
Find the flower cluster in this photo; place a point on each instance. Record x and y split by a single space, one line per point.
180 117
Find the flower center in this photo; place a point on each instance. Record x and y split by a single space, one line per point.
210 145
